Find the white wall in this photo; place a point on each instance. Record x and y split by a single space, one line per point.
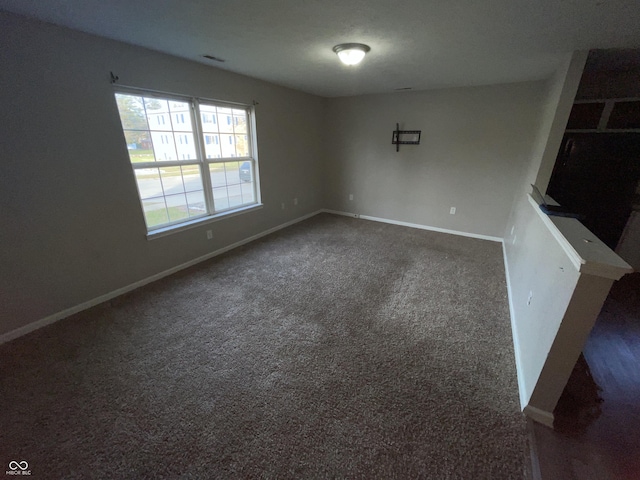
537 264
535 261
474 144
72 228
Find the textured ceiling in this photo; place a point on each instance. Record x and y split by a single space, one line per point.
420 44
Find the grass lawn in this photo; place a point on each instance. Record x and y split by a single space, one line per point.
139 156
157 217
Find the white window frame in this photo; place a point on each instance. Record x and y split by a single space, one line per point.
202 160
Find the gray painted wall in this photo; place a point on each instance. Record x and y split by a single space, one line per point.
72 227
474 144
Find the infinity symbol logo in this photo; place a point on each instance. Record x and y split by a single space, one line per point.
23 465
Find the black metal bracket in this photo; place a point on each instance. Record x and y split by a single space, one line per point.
405 137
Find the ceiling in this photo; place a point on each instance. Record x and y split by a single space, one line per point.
418 44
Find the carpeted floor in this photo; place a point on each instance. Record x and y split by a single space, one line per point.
336 348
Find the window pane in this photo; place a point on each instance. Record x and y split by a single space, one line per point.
132 115
149 184
180 116
163 146
158 114
240 121
218 176
177 207
246 172
196 203
220 199
156 129
191 178
228 145
232 184
185 146
225 119
229 137
248 193
235 195
171 180
242 146
155 212
210 118
231 170
212 145
139 145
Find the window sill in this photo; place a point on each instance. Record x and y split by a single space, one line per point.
198 222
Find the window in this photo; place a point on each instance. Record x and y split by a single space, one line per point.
181 174
206 118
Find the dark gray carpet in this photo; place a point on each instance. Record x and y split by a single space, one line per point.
336 348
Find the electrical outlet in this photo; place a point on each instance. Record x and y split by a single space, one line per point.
351 196
530 297
209 234
282 206
295 201
452 210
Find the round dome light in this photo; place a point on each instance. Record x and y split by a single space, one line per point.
351 53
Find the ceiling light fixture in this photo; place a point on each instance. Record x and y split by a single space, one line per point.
351 53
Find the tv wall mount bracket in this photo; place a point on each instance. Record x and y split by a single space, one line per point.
405 137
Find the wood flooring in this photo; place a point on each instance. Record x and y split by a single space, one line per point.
597 434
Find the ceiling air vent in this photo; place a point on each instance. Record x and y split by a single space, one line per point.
215 59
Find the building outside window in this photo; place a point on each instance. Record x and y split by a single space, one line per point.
181 175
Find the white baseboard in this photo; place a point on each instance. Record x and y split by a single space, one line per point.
416 225
540 416
514 333
18 332
344 214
